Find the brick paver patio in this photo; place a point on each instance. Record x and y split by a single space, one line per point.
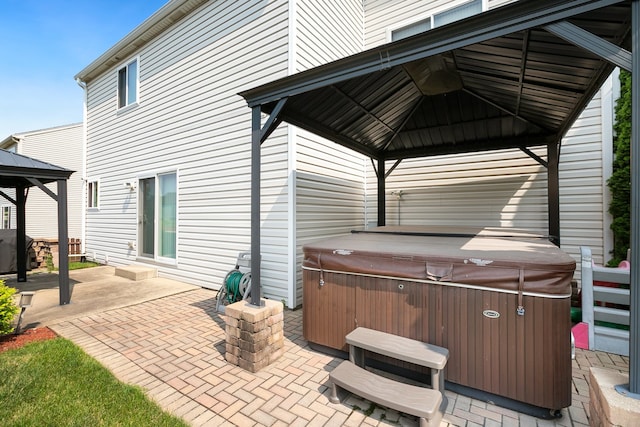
174 347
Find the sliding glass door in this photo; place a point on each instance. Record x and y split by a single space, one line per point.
167 216
157 216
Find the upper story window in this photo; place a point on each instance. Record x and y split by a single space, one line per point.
128 84
438 19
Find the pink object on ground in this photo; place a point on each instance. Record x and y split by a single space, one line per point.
581 335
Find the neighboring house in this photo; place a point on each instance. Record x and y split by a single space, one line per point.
168 144
61 146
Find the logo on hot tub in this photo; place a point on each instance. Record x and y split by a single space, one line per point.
491 314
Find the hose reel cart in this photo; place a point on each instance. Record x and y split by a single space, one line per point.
236 285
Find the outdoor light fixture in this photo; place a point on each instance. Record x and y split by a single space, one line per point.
130 185
25 301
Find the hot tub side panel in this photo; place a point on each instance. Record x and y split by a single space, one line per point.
525 358
328 308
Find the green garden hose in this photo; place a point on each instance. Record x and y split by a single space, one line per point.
232 284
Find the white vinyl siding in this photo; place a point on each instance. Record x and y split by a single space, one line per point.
61 146
327 31
583 199
329 179
193 120
329 194
495 189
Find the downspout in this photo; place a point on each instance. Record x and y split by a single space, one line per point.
83 215
610 92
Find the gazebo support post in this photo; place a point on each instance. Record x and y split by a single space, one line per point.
382 219
553 192
255 205
21 234
63 243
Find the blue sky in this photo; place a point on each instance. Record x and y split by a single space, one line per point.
44 43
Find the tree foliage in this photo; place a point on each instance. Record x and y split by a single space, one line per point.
620 180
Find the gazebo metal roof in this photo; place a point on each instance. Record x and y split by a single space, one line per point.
502 79
17 169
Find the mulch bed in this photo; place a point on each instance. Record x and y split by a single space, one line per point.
11 341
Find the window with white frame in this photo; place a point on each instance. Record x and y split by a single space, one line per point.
6 217
128 84
461 11
92 194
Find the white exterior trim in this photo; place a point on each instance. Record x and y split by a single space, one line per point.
610 93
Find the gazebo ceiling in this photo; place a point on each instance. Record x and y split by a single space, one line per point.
502 79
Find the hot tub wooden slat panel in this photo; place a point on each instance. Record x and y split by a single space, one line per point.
520 357
329 313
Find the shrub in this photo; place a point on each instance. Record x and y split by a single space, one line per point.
49 262
8 308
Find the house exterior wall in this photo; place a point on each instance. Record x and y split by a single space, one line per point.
329 179
61 146
189 119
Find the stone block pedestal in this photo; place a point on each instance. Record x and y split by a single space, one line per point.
607 407
254 335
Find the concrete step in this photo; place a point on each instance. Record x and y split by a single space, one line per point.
136 272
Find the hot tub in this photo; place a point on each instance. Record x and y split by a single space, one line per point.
498 300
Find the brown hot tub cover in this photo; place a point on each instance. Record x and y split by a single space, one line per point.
491 258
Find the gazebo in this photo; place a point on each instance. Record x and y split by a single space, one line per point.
21 173
516 76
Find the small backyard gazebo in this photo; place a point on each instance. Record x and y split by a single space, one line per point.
21 173
516 76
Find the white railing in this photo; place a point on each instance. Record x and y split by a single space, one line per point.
605 338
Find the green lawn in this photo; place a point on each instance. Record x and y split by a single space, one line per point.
73 265
77 265
54 383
